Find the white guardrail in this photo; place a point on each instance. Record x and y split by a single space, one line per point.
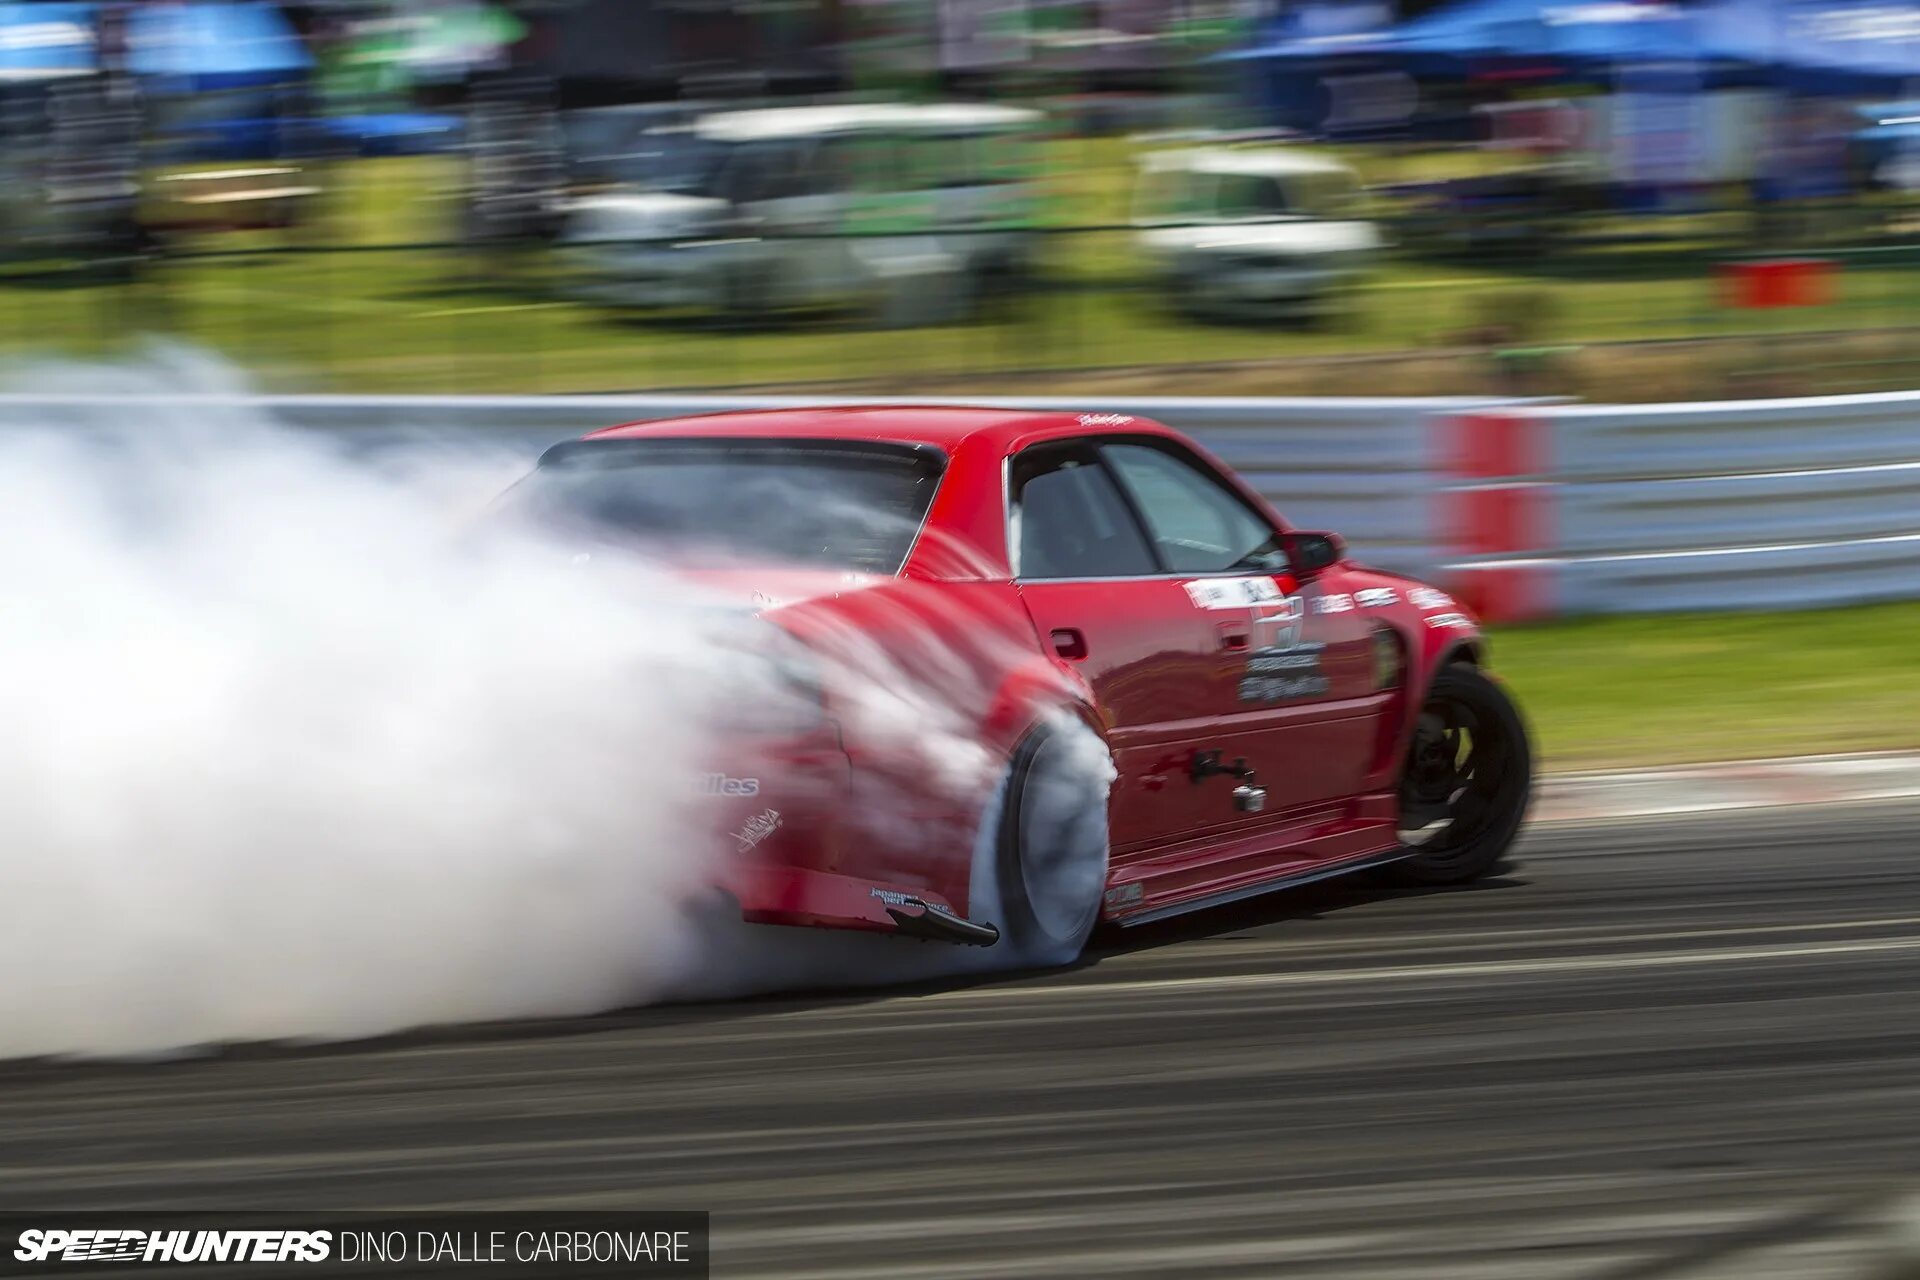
1526 509
1570 509
1361 466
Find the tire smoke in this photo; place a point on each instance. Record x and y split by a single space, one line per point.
296 747
300 744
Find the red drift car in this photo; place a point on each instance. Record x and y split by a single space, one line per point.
1045 669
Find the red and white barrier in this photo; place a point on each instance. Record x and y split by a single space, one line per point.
1495 511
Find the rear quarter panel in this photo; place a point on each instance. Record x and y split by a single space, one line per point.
932 683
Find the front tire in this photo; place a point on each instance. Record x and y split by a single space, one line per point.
1467 782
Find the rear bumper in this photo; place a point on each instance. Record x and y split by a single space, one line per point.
786 821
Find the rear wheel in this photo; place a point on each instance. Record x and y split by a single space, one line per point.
1051 859
1468 778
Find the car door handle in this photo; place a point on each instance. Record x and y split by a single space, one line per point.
1235 637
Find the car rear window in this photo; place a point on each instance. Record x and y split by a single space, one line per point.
852 505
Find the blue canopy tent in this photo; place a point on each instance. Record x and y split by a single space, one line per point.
1818 51
46 42
1582 34
1819 46
201 47
1809 45
1580 39
221 69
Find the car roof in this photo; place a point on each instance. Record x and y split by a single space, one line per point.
944 427
1240 161
765 123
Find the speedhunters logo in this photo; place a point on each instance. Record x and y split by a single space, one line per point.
244 1245
116 1245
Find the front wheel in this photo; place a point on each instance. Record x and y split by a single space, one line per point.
1468 779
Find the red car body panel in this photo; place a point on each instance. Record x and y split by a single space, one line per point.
858 825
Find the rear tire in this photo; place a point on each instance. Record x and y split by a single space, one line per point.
1467 781
1051 847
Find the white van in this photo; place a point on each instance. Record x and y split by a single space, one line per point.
1252 232
912 210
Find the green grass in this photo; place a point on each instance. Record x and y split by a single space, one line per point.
439 320
1626 691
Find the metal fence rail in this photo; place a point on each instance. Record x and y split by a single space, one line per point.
1732 505
1527 509
1362 466
1644 442
1810 575
1739 510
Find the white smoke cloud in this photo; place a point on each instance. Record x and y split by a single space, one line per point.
294 745
289 752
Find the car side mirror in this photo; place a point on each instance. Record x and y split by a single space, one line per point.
1312 554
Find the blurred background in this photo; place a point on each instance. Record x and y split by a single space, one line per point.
1664 1046
1615 199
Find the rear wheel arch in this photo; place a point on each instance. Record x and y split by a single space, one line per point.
1031 695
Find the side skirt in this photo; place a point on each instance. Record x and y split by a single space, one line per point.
1289 880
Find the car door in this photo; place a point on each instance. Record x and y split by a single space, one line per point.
1302 706
1100 599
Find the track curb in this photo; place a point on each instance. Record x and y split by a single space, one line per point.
1727 785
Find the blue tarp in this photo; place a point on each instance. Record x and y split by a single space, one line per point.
216 46
1837 45
395 133
1841 45
45 41
1580 33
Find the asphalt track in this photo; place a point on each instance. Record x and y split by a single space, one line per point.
1682 1048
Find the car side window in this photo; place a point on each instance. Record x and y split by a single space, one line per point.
1071 522
834 166
765 171
1248 196
1197 525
